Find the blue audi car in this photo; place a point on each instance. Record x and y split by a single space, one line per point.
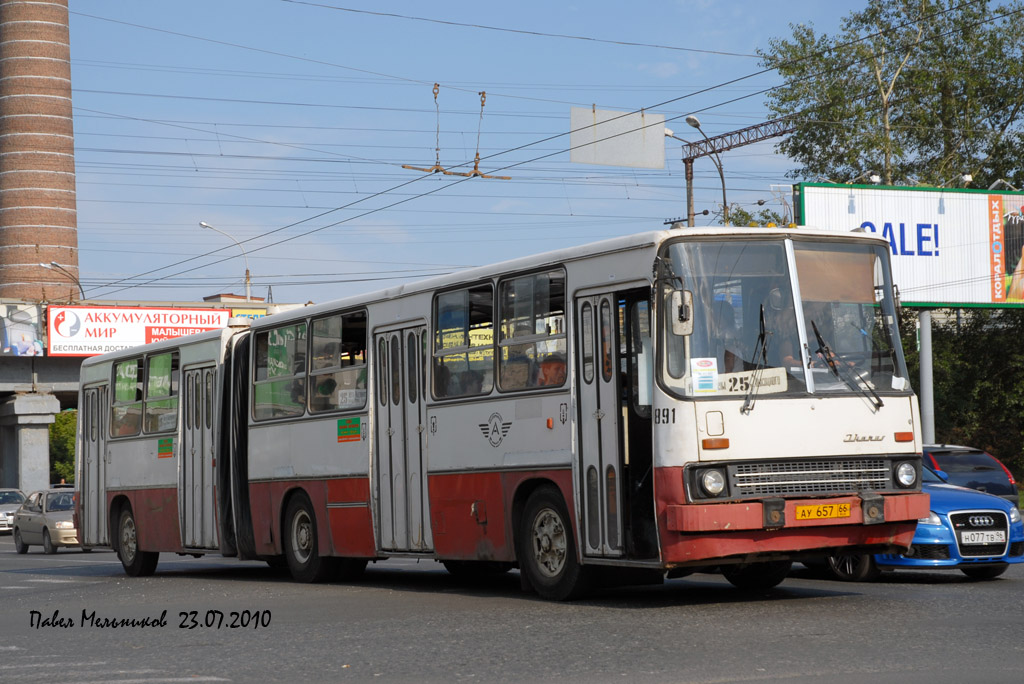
979 534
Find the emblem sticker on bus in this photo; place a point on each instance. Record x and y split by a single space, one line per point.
165 448
348 430
495 429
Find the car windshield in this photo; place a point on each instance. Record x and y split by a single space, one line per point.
11 498
59 501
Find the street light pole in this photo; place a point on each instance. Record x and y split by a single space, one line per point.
53 265
695 122
248 283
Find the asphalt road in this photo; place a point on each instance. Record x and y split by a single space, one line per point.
409 621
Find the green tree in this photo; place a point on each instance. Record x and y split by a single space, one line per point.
62 446
918 91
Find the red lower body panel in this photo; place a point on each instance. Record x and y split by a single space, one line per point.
470 513
156 517
341 507
697 532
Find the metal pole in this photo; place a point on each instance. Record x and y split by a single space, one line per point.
927 397
688 164
248 292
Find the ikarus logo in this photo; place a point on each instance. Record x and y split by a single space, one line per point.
495 429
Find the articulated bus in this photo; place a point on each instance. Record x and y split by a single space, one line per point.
635 409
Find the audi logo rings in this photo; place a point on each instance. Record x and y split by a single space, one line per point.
981 521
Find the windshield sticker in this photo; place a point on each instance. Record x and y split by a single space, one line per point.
705 375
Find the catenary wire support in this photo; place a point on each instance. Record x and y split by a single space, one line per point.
476 160
436 168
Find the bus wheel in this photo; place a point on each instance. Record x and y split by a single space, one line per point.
136 563
853 568
546 549
754 576
300 545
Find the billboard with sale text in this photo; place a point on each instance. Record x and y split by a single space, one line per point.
92 330
949 247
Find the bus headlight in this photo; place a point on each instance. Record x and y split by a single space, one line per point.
906 474
713 482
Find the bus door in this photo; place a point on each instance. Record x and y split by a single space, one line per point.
197 464
600 470
93 487
401 440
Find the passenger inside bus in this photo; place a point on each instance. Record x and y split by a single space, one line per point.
552 371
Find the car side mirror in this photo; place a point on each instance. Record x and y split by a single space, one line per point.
944 476
681 311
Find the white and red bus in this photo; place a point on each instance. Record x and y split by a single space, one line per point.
629 410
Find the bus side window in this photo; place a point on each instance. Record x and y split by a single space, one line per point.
279 388
464 342
533 341
126 411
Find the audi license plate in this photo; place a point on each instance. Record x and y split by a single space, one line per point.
983 537
823 511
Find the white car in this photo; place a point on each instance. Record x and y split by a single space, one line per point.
10 500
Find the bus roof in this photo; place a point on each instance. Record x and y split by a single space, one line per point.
559 256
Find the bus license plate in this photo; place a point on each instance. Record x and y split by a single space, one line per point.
979 537
823 511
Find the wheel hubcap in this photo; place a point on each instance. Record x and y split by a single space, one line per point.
549 542
128 541
302 536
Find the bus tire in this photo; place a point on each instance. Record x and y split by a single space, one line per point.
300 541
756 576
853 568
136 563
547 550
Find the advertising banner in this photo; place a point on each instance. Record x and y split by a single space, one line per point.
92 330
21 330
949 247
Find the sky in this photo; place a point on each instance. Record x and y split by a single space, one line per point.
285 124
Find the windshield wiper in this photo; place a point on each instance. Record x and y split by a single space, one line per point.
761 356
858 383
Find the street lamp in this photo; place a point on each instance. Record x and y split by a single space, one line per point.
53 265
248 283
695 122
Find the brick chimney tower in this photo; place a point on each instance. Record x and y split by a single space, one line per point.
38 219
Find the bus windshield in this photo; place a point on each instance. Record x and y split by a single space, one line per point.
747 335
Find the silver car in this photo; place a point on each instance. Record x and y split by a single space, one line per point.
45 518
10 500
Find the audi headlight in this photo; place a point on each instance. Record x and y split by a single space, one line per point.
713 482
64 525
932 519
1014 515
906 474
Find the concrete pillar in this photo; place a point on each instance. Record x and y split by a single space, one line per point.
25 440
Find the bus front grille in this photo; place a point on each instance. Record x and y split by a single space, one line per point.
811 478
